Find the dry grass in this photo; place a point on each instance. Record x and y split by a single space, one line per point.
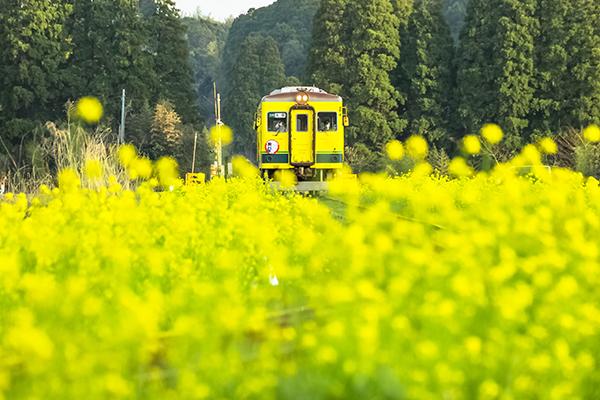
65 147
73 147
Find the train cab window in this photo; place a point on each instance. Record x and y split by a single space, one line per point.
302 123
327 121
276 122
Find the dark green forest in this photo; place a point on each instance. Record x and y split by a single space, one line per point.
435 68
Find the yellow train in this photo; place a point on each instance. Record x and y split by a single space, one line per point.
301 129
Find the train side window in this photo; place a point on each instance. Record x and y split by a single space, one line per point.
276 122
302 123
327 121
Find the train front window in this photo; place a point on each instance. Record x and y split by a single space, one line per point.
327 121
302 123
277 122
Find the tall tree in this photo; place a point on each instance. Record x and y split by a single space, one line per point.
568 66
271 67
171 53
425 73
33 49
496 67
289 22
258 71
109 55
402 9
327 55
166 136
133 63
585 64
518 31
243 101
372 39
454 13
552 58
477 68
206 40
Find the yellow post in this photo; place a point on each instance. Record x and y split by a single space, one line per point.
192 179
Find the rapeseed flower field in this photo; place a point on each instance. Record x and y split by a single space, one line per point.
478 287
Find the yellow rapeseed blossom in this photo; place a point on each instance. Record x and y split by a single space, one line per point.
427 349
489 389
416 146
471 144
473 345
232 287
224 132
395 150
592 133
167 170
422 169
93 169
127 154
44 189
286 177
492 133
243 168
140 167
548 146
458 167
68 181
531 154
327 354
90 109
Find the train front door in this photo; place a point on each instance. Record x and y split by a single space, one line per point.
302 137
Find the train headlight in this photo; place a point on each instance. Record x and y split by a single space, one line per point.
302 98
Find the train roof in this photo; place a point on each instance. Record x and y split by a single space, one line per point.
288 94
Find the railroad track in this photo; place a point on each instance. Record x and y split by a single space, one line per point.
338 216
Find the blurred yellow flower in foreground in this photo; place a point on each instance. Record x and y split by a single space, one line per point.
395 150
417 146
286 177
458 167
492 133
223 131
168 173
93 169
243 168
140 168
68 181
592 133
108 292
531 154
127 154
90 109
548 146
471 144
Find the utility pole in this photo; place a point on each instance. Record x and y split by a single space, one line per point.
220 148
122 133
219 157
194 156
